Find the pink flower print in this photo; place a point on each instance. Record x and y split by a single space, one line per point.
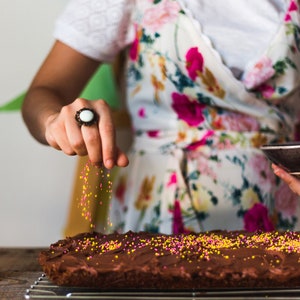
201 142
266 90
187 110
153 133
257 219
236 122
160 14
265 176
293 7
287 17
133 51
142 112
225 144
203 165
178 226
172 179
286 201
194 62
261 72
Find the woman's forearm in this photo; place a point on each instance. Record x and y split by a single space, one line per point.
40 103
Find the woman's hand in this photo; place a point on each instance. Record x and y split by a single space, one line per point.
98 141
292 181
49 110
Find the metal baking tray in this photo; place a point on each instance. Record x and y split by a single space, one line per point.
44 289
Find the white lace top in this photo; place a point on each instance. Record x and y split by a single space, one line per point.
98 28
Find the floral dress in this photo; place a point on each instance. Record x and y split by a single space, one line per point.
196 163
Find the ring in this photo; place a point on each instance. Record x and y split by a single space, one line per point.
86 117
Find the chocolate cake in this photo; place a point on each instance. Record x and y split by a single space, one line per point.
217 259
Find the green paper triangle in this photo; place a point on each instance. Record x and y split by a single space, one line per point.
14 104
102 86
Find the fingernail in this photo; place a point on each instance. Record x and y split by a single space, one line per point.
109 163
274 167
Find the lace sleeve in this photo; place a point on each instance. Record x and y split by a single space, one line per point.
96 28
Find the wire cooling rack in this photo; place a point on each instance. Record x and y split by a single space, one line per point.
42 288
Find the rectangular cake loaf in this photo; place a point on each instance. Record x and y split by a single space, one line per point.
141 260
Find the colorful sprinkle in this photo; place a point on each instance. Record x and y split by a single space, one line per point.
90 191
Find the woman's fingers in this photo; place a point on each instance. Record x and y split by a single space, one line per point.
108 136
93 144
292 181
98 141
56 135
122 159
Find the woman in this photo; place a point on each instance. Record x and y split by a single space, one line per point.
208 82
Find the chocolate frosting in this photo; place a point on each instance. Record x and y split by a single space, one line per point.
186 261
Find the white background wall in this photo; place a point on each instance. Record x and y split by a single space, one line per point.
35 181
